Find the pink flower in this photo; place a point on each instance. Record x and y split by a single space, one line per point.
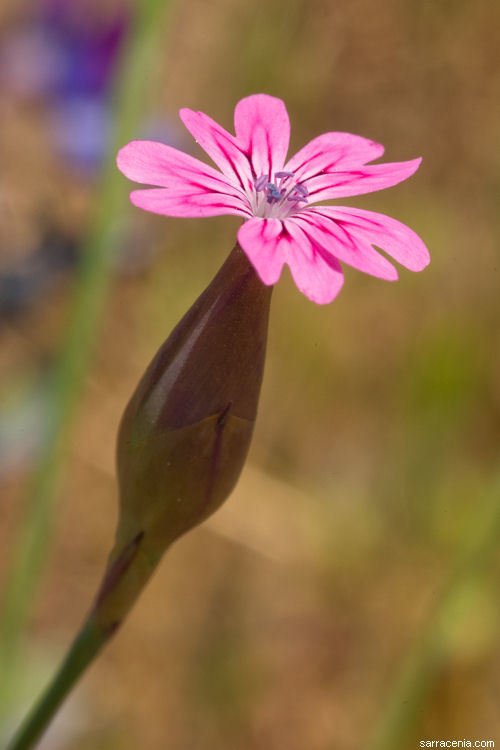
275 197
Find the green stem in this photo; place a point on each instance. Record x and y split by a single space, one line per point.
88 643
425 662
31 546
128 570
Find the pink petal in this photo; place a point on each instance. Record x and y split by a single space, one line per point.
153 163
175 203
391 236
317 274
262 127
365 179
342 244
269 243
262 241
221 146
332 151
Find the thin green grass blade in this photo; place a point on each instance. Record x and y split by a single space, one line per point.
91 287
429 655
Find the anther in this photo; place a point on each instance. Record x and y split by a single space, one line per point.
302 189
283 191
273 194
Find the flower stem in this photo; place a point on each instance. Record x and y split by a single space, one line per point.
32 544
182 444
128 570
87 644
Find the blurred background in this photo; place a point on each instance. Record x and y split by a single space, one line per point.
304 614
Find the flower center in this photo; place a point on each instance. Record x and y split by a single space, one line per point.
278 199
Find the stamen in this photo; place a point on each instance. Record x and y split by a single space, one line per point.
273 190
279 194
302 189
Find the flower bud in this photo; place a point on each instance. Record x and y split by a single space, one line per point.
186 431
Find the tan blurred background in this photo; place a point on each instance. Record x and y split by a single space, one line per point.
284 621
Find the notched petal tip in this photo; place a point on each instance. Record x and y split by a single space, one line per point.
126 157
262 128
138 198
367 230
392 276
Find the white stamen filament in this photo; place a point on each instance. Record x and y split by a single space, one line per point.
278 199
